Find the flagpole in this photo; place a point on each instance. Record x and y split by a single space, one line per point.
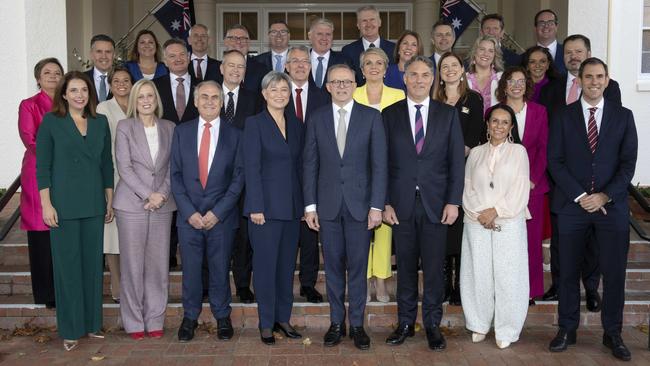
133 27
510 39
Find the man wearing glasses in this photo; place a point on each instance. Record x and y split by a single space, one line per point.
344 186
202 67
546 35
276 58
237 38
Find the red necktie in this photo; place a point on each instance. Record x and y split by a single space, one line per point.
592 136
199 72
299 105
204 154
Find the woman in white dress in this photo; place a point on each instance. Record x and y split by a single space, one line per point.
114 109
494 259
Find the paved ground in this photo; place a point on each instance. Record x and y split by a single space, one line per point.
44 348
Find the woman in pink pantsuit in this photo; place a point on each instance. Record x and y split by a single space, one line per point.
48 73
515 89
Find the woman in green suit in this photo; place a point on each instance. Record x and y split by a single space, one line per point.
74 170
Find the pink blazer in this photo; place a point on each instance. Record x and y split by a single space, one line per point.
30 115
535 140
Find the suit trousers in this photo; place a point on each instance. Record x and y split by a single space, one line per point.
78 275
611 234
217 243
40 266
275 245
309 256
242 255
346 244
418 240
144 261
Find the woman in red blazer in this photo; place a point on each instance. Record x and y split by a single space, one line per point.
48 73
515 89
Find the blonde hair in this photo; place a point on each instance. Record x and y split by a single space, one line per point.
497 63
374 51
132 109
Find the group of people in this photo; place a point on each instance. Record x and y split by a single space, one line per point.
245 161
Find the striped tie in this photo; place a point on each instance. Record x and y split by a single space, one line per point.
592 136
419 129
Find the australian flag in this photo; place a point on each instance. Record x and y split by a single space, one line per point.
176 16
459 13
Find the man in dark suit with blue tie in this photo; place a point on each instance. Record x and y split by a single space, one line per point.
592 154
344 189
206 180
102 49
368 22
426 159
321 35
276 58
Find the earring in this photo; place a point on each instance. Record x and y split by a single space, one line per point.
462 78
487 135
442 82
510 138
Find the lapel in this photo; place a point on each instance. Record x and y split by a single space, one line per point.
580 123
329 115
429 134
218 151
137 129
406 125
353 127
606 123
191 144
75 135
164 141
528 126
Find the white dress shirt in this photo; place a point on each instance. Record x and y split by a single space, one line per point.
214 138
314 64
186 86
366 43
97 79
424 110
152 140
599 117
226 100
552 48
521 121
303 97
569 82
204 63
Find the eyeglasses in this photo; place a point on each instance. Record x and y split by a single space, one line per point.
546 23
298 61
275 32
518 82
237 38
339 83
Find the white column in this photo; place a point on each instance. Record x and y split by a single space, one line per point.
425 13
206 13
590 18
33 30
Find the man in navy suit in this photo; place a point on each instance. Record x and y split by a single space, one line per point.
443 38
276 58
554 96
321 34
238 38
344 189
592 154
206 180
493 25
305 99
546 34
426 158
202 67
102 49
368 22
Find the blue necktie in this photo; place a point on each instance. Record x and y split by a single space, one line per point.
278 63
319 72
102 88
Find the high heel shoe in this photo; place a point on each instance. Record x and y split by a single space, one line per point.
288 331
380 290
69 344
478 337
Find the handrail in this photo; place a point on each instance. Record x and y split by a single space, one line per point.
4 200
645 206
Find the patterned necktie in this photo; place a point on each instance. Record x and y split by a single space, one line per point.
341 132
592 136
372 45
204 154
230 108
102 88
180 98
299 105
278 63
199 72
319 72
573 92
419 129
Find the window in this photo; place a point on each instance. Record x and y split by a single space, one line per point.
645 49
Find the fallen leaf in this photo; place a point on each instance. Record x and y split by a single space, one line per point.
97 358
277 335
306 341
643 328
42 338
21 354
208 327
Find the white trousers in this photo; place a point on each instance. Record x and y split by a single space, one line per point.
494 278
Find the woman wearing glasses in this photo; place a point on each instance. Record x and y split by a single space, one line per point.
494 259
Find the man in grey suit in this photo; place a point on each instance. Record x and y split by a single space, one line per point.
344 187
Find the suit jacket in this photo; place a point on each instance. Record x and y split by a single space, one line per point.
358 179
225 177
273 167
140 176
248 105
438 170
76 169
265 60
510 58
470 114
535 141
354 50
316 98
255 72
212 71
336 57
572 165
91 75
553 95
558 60
164 86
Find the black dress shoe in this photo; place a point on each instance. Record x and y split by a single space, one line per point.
592 299
311 294
245 295
186 331
562 340
334 334
360 338
454 298
550 295
619 350
435 339
289 332
224 329
400 334
269 341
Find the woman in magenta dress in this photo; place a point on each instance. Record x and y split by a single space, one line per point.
48 73
515 89
539 63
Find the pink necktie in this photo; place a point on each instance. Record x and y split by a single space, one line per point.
204 154
573 92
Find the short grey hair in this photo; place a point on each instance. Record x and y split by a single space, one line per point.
199 25
301 47
321 21
367 8
206 83
274 77
340 66
420 58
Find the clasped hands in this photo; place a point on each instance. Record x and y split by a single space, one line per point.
487 217
594 202
154 201
203 222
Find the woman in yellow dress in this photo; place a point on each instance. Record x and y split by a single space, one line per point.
374 93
